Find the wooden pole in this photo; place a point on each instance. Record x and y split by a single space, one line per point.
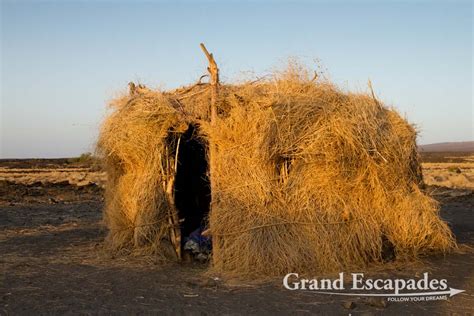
214 73
173 216
214 81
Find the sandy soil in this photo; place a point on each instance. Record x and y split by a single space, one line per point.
50 171
53 261
449 170
439 169
450 175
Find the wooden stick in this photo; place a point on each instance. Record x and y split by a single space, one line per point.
214 73
173 219
373 94
214 81
131 88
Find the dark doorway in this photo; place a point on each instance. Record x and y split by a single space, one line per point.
192 187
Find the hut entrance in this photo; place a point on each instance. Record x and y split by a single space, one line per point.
192 192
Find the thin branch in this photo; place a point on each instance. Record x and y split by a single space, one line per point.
373 94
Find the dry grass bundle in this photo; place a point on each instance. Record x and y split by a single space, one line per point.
305 178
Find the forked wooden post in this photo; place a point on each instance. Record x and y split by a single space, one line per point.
214 74
214 81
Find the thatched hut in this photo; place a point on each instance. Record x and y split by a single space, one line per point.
304 177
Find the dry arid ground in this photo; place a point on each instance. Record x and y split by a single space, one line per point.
53 261
451 170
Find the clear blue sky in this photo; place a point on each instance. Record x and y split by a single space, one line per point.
62 61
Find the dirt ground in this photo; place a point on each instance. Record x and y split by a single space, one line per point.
449 170
53 262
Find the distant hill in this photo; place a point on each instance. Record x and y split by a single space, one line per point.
448 147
